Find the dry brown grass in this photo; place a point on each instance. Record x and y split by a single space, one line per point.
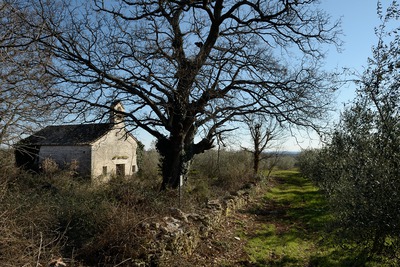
26 221
46 217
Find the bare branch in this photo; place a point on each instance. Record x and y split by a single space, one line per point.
180 66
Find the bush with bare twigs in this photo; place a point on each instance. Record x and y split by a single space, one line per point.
44 217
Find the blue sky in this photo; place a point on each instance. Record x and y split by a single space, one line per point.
359 18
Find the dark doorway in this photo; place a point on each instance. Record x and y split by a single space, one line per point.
120 170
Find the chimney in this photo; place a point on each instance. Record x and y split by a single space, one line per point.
116 116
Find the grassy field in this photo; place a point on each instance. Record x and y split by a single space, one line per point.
292 229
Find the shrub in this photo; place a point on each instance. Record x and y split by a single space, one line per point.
49 166
359 172
27 223
309 163
149 169
286 162
47 216
225 170
81 216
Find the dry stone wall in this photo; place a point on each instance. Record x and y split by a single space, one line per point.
180 232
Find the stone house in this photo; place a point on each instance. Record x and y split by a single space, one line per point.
99 151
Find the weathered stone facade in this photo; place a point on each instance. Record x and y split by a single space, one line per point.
100 159
116 151
99 151
65 155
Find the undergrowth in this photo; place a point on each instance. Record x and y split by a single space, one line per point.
51 215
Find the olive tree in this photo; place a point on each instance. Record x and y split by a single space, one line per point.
185 69
359 169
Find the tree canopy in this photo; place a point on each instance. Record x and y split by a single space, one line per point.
24 83
185 69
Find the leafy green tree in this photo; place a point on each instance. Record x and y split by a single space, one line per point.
359 169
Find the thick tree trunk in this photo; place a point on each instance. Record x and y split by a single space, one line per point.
379 241
175 158
174 162
256 162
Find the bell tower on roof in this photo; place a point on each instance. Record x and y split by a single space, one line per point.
117 113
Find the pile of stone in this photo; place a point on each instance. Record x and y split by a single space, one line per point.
180 232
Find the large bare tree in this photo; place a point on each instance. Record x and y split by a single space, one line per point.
185 69
23 79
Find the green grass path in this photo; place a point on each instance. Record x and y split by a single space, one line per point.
290 228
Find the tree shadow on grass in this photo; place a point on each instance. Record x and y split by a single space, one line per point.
292 218
291 229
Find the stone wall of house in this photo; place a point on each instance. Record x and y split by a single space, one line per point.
114 150
180 233
64 156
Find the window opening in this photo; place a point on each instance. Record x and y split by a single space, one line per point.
104 170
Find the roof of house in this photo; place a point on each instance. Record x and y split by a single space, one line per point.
80 134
